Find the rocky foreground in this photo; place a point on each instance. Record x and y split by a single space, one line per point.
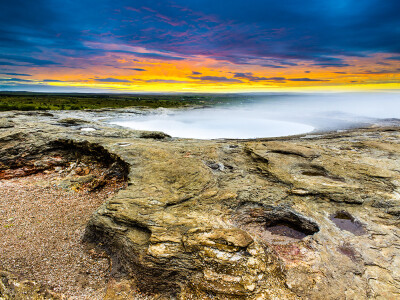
314 216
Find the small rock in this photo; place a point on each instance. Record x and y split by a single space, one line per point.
300 192
215 166
79 171
72 121
4 123
157 135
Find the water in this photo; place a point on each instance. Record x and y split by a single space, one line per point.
286 230
345 221
271 115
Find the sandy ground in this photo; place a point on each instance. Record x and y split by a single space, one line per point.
41 226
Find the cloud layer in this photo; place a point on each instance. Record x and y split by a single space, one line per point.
192 42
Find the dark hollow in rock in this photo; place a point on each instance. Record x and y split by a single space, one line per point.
346 221
277 220
316 170
21 160
129 257
287 230
85 150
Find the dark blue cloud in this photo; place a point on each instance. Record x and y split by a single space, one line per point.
6 63
136 69
16 74
259 32
306 79
216 79
149 55
111 80
335 65
271 66
249 76
50 88
396 71
14 80
26 60
166 81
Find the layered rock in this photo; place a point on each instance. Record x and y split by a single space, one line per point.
300 217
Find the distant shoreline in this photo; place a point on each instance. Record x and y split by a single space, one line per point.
31 101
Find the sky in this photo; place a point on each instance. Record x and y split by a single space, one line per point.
199 45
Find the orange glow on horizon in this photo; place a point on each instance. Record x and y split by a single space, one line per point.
128 73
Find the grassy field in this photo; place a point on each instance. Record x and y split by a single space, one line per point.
58 101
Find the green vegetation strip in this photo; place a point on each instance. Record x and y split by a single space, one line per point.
50 101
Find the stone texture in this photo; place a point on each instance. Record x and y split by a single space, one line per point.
12 288
244 219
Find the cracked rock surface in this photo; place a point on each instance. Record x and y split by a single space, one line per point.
286 218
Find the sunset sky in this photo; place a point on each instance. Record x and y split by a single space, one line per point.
199 46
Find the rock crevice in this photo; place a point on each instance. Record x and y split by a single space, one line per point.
188 226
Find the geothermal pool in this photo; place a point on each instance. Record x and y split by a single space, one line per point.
272 115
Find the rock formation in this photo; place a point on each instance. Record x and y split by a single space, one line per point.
314 216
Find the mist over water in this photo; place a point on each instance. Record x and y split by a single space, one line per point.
271 115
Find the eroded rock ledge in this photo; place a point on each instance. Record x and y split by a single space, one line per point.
301 217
